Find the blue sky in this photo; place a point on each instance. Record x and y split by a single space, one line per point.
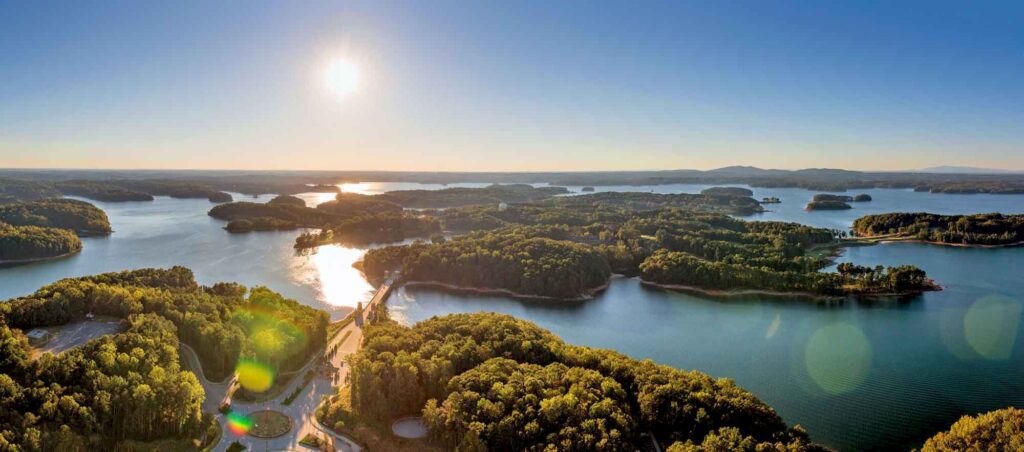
512 85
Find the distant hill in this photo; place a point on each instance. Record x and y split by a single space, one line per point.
966 170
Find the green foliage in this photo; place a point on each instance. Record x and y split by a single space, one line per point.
727 191
287 200
993 431
78 216
458 197
513 260
100 191
126 386
220 197
380 228
494 381
298 216
348 205
130 386
18 243
979 229
13 190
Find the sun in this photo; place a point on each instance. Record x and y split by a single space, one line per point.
341 77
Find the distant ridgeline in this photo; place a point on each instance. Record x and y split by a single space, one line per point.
835 202
47 228
567 247
131 386
982 229
491 382
119 188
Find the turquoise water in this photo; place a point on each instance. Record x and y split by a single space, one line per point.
857 376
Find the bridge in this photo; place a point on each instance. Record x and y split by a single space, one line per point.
380 296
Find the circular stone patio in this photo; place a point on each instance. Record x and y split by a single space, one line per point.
410 428
269 424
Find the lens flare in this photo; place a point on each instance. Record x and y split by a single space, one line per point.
991 325
238 423
254 376
838 358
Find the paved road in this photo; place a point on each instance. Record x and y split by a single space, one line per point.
303 408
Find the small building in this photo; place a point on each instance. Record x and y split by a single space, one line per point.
502 206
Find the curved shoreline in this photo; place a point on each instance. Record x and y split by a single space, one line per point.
589 295
716 293
883 239
12 262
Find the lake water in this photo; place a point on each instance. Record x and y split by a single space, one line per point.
857 376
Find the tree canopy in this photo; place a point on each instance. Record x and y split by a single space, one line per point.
993 431
78 216
494 381
979 229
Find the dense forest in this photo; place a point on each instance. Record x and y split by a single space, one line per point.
78 216
27 243
382 228
517 260
727 191
1000 430
101 191
287 200
220 197
980 229
130 386
491 382
458 197
581 243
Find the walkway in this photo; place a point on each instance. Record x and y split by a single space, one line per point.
303 408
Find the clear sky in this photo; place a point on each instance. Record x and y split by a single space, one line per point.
489 86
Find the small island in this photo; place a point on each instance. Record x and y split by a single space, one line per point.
587 189
727 191
990 229
383 228
771 200
829 202
220 197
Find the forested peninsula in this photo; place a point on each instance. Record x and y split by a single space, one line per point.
990 229
44 229
492 382
130 386
78 216
568 247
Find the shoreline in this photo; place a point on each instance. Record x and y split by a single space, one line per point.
590 295
883 239
12 262
718 293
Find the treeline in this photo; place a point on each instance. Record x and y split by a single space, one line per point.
78 216
128 386
100 191
218 322
665 245
980 229
26 243
516 260
459 196
382 228
491 382
993 431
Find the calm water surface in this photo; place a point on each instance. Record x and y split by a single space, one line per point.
857 376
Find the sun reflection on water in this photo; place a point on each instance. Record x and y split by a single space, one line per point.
339 283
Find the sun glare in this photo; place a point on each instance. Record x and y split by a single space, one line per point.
341 77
